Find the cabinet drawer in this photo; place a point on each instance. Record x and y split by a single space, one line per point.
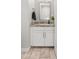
48 28
43 28
37 28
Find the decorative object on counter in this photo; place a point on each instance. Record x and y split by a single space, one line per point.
48 21
33 14
53 19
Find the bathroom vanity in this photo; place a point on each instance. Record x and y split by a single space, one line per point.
42 35
42 30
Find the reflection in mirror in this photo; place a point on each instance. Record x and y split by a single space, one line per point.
45 10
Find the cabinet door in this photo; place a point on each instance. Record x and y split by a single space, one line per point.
49 36
37 38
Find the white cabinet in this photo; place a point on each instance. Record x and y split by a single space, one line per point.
49 38
42 36
37 38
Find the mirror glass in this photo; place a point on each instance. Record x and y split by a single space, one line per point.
45 10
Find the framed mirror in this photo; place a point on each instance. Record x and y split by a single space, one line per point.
45 10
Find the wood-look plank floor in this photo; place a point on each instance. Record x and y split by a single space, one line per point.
40 53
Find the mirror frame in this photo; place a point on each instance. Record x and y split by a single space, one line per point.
39 9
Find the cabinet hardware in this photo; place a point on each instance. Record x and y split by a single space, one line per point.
43 34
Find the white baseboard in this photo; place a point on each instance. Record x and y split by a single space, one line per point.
27 49
24 50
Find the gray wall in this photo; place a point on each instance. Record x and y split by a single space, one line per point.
25 24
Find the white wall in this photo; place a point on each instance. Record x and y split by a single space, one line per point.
32 3
25 24
35 4
55 15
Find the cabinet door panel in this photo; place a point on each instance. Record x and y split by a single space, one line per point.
37 38
49 38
